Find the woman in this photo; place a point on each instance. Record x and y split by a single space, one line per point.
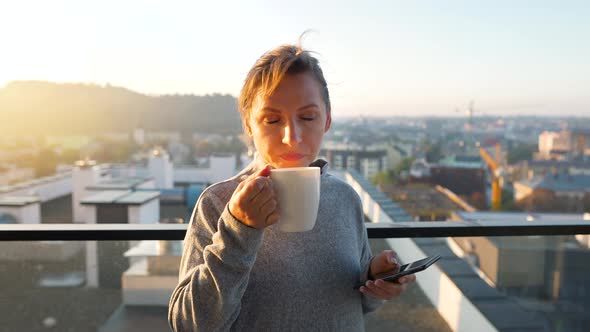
238 271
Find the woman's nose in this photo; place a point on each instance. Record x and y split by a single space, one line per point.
292 134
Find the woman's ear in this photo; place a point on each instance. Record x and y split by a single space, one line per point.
247 129
328 122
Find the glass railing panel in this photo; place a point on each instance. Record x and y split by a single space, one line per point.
87 285
511 282
525 281
125 286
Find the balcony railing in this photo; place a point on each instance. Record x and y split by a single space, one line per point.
109 232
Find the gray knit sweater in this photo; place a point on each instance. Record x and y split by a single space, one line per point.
234 277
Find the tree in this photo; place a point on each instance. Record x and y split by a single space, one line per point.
433 152
520 152
203 148
113 152
478 200
383 178
508 203
45 162
404 165
233 145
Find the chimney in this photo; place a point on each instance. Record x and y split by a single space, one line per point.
222 167
139 136
85 174
106 260
161 169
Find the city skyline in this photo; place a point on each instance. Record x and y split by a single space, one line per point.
419 58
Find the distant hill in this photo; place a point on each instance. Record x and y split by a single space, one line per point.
45 108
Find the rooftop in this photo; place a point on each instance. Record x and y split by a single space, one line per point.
396 212
559 163
120 183
35 182
461 161
420 199
18 200
486 216
559 183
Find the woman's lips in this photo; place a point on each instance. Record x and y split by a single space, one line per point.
291 156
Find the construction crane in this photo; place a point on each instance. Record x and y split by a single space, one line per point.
495 170
469 113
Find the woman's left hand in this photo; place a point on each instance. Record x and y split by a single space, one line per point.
385 290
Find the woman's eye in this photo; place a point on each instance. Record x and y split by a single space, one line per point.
271 120
308 118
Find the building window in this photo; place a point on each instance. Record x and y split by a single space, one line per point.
337 161
351 162
369 167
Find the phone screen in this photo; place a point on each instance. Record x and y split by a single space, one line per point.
418 263
406 269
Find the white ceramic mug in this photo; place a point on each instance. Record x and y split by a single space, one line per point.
298 193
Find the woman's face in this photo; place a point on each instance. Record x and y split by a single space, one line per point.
288 126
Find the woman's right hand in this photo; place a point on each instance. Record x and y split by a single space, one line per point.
254 201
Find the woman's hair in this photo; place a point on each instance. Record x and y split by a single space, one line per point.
271 68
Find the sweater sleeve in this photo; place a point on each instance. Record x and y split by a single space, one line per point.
369 303
219 252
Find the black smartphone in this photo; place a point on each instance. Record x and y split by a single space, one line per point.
417 266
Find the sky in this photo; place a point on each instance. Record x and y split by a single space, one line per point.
379 57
